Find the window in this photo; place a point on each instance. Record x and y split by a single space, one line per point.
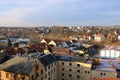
62 69
87 72
41 71
37 67
70 75
45 75
78 65
37 74
102 74
48 73
78 76
15 77
78 70
62 63
70 64
0 74
7 75
49 78
41 78
45 68
32 78
70 69
62 78
49 67
23 78
62 74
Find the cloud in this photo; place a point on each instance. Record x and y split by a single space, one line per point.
46 12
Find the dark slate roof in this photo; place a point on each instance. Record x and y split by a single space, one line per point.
18 65
47 59
73 59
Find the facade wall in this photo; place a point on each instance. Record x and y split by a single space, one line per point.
98 38
73 70
51 72
109 53
11 76
102 74
37 72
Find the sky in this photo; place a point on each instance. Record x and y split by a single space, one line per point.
59 12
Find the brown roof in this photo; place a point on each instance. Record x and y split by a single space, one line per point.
99 35
63 51
47 40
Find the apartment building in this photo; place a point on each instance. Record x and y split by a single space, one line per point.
72 70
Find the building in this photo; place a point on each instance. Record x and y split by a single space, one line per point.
63 51
110 52
20 68
105 69
49 63
99 37
40 66
73 68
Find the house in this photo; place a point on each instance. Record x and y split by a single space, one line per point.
110 52
64 44
21 68
63 51
118 37
3 42
98 37
86 37
54 42
46 41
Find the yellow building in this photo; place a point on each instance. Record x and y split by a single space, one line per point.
73 70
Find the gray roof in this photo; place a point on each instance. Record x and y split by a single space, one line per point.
18 65
47 59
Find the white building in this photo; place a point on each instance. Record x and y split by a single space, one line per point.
110 52
98 37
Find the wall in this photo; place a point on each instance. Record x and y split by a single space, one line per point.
102 74
37 72
73 70
11 76
51 72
